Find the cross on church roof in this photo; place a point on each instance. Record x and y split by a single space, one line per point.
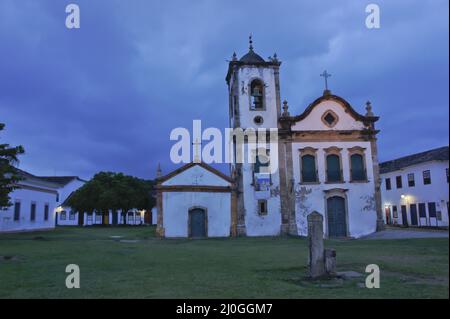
196 145
326 75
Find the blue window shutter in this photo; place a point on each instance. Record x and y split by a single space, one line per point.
333 168
309 169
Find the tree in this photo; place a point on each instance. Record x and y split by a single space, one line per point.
112 191
8 173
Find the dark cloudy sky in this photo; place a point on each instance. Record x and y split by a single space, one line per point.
106 96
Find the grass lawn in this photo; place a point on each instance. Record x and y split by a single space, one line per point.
213 268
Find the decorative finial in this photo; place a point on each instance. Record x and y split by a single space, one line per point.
234 58
369 109
285 108
275 58
158 171
250 41
326 75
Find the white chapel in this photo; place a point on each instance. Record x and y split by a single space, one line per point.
327 162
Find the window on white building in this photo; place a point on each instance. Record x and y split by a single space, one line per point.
33 212
399 182
17 211
426 177
262 207
46 212
411 181
388 184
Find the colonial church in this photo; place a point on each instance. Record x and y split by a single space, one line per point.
327 162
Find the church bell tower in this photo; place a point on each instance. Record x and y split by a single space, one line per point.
255 103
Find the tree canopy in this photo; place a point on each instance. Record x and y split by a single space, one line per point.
8 173
112 191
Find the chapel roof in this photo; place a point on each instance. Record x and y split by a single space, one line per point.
192 164
437 154
251 58
62 180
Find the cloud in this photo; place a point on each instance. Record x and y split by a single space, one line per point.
106 96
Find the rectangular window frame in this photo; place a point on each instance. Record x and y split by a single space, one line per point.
17 210
387 182
358 151
399 181
46 211
262 207
334 151
426 174
33 207
313 152
411 180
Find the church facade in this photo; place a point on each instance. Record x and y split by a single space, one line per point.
326 162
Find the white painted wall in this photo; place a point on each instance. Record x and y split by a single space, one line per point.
360 196
64 192
437 192
256 225
26 197
176 207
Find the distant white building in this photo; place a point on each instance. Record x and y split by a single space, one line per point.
415 189
67 185
66 216
33 208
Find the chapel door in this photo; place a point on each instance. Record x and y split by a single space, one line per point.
337 224
404 216
197 223
413 213
387 211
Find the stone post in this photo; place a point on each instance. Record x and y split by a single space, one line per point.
316 247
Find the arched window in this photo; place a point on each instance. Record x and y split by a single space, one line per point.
257 95
358 172
333 168
309 173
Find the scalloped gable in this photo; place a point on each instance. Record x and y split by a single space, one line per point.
196 174
348 119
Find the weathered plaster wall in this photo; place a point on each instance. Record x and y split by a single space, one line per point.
256 225
360 196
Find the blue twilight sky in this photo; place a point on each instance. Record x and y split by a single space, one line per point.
106 96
